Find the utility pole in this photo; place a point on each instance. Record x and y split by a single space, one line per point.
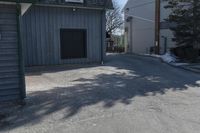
195 19
157 27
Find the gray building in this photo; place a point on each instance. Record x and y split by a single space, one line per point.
48 32
140 27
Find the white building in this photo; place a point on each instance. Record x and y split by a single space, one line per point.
140 27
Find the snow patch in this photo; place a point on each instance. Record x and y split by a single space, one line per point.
169 58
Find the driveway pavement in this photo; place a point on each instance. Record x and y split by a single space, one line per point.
129 94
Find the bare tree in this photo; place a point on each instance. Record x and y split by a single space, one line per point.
114 19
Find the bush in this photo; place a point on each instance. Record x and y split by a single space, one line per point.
186 52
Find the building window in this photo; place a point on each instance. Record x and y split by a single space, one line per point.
73 43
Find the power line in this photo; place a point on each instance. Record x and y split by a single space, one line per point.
141 18
143 4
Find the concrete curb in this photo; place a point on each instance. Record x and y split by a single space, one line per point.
190 69
170 64
144 56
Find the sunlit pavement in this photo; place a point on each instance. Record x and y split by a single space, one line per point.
128 94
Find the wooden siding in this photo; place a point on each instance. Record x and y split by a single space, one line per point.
41 34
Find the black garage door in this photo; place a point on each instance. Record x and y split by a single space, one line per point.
9 64
73 43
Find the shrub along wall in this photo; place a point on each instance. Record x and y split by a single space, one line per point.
186 52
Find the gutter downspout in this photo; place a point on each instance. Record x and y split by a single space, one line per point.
102 35
20 54
103 32
131 35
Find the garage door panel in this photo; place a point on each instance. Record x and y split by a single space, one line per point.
9 57
8 46
8 42
9 68
10 34
7 9
10 38
9 75
8 28
5 51
9 60
9 92
9 97
9 86
6 16
7 81
8 22
8 64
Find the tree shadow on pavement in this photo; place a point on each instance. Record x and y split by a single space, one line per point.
120 86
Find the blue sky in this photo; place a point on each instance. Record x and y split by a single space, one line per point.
122 2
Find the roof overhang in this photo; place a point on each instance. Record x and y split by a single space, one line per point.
71 6
61 4
25 4
18 1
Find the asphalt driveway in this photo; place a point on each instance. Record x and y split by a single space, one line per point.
129 94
